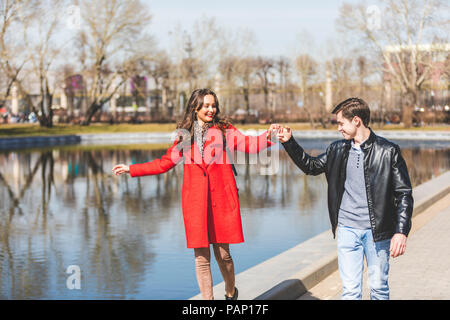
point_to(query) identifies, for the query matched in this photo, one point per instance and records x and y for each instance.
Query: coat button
(212, 188)
(214, 204)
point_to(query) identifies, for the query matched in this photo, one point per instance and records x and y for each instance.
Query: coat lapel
(195, 155)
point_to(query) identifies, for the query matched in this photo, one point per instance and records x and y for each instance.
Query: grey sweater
(354, 211)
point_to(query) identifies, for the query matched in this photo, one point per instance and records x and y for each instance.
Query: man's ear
(357, 121)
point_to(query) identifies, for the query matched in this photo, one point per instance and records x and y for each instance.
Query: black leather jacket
(389, 191)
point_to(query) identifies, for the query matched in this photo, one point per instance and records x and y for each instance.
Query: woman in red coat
(210, 199)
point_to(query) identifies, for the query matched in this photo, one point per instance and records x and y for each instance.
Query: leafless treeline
(382, 59)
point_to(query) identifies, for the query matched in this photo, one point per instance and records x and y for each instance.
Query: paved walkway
(422, 273)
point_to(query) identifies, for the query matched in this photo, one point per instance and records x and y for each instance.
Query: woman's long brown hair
(194, 104)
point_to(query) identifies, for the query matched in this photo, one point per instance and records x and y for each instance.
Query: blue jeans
(353, 244)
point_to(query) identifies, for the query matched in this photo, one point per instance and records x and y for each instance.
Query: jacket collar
(368, 143)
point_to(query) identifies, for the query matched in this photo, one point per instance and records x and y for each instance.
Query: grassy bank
(22, 130)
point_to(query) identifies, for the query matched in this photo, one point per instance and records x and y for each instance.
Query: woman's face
(208, 110)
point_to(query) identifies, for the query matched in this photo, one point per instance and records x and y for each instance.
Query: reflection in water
(63, 207)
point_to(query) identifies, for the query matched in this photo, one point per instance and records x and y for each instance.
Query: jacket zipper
(369, 198)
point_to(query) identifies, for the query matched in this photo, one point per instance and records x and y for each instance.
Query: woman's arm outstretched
(172, 157)
(236, 140)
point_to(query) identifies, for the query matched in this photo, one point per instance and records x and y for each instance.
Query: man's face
(346, 127)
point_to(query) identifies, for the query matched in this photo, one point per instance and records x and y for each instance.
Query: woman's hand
(121, 168)
(273, 131)
(284, 134)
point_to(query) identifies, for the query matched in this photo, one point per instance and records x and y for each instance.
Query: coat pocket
(231, 197)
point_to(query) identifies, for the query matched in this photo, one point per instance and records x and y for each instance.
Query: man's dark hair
(354, 107)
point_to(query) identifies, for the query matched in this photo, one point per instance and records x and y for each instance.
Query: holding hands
(283, 133)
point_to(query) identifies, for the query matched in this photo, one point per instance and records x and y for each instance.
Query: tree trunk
(310, 117)
(323, 116)
(409, 102)
(45, 119)
(306, 105)
(266, 98)
(247, 100)
(155, 110)
(92, 110)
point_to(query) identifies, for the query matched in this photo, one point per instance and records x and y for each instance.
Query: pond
(61, 206)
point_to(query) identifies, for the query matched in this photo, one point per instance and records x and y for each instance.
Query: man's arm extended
(308, 164)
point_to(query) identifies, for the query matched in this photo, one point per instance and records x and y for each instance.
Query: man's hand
(284, 134)
(398, 245)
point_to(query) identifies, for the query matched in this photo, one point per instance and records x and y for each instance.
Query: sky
(275, 23)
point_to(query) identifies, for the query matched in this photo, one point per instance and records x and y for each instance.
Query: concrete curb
(323, 263)
(431, 191)
(303, 280)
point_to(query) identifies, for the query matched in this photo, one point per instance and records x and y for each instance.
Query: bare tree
(283, 66)
(228, 70)
(306, 68)
(362, 73)
(12, 47)
(42, 51)
(245, 71)
(160, 69)
(191, 67)
(106, 41)
(196, 53)
(263, 68)
(234, 68)
(340, 70)
(208, 54)
(398, 30)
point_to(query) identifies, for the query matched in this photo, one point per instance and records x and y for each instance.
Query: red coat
(210, 200)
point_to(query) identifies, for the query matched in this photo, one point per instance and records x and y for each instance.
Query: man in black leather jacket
(369, 197)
